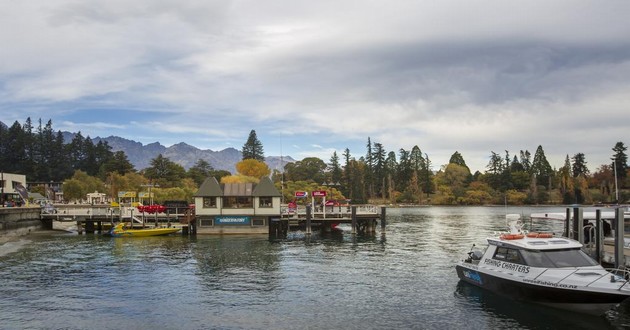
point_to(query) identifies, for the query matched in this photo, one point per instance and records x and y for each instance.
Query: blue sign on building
(232, 220)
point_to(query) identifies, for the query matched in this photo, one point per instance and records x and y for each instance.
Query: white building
(12, 188)
(236, 208)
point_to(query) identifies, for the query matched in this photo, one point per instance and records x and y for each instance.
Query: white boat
(545, 269)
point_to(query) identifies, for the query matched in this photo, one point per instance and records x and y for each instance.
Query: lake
(401, 279)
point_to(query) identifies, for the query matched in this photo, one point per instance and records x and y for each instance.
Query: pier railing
(339, 211)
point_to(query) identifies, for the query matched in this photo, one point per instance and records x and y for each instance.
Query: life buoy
(539, 235)
(512, 236)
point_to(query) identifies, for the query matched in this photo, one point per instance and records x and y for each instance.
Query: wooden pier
(98, 218)
(363, 219)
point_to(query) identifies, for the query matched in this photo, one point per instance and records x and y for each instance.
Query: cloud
(472, 77)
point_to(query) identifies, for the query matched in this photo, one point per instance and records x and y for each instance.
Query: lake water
(402, 279)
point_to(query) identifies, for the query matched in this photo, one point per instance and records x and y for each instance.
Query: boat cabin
(236, 208)
(557, 252)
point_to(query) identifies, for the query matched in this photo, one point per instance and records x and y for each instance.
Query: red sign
(301, 194)
(319, 193)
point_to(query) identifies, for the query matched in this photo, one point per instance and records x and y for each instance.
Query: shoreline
(15, 235)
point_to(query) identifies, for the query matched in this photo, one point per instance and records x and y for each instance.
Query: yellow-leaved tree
(249, 170)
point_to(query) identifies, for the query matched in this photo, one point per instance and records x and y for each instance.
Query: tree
(567, 190)
(541, 168)
(253, 168)
(457, 158)
(310, 168)
(336, 174)
(579, 165)
(253, 149)
(379, 168)
(164, 172)
(620, 161)
(118, 163)
(200, 171)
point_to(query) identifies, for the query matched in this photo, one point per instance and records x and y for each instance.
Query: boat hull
(573, 299)
(143, 232)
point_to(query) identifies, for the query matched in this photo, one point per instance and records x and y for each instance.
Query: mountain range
(181, 153)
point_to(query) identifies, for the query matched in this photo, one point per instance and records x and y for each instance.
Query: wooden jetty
(362, 218)
(97, 218)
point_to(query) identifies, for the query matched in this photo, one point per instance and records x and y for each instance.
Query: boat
(545, 269)
(121, 231)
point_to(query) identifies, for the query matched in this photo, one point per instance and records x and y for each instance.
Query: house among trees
(12, 189)
(236, 208)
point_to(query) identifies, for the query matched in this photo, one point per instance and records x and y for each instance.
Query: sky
(315, 77)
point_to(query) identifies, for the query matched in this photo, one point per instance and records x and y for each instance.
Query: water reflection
(508, 313)
(403, 278)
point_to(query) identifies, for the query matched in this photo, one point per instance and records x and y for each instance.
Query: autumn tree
(253, 168)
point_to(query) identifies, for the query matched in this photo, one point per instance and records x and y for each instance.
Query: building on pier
(236, 208)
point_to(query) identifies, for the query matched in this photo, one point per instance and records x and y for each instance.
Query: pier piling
(308, 219)
(354, 219)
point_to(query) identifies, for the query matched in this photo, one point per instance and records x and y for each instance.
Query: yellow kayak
(120, 231)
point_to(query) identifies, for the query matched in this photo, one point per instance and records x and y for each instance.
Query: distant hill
(183, 154)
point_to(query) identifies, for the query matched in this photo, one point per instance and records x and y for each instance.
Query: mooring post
(619, 238)
(308, 219)
(567, 223)
(354, 219)
(383, 221)
(598, 235)
(79, 227)
(578, 232)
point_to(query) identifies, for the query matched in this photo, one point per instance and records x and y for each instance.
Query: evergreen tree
(579, 165)
(347, 174)
(620, 161)
(118, 163)
(16, 157)
(457, 158)
(541, 168)
(566, 183)
(369, 171)
(391, 166)
(526, 160)
(378, 158)
(336, 173)
(405, 170)
(428, 187)
(253, 149)
(200, 171)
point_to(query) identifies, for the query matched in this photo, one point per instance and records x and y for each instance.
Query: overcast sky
(314, 77)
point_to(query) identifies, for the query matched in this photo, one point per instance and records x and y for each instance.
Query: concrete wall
(19, 218)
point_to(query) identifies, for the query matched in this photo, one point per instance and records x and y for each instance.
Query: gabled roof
(266, 188)
(210, 187)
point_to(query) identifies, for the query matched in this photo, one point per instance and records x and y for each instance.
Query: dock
(363, 219)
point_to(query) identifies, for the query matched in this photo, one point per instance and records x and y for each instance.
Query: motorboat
(120, 230)
(543, 268)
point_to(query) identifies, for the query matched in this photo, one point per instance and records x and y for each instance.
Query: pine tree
(620, 161)
(253, 148)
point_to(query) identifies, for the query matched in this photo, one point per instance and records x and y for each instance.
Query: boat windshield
(557, 258)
